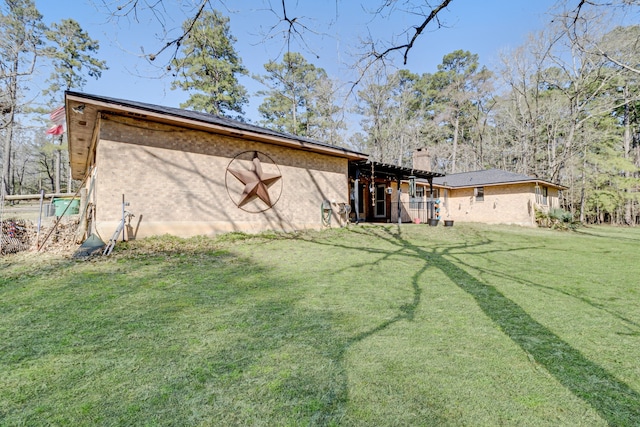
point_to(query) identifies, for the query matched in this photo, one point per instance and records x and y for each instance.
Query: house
(494, 196)
(381, 191)
(188, 173)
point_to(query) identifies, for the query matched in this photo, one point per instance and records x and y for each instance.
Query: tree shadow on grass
(615, 402)
(261, 329)
(633, 325)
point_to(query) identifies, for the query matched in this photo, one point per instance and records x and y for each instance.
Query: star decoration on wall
(256, 182)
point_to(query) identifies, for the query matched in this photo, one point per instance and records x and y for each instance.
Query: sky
(333, 31)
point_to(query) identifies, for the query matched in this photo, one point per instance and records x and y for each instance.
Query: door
(380, 209)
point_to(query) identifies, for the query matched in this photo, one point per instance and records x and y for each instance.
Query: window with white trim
(542, 195)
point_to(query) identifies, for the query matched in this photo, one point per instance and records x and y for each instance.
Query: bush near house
(556, 218)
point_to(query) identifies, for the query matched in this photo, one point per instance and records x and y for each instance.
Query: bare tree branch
(294, 30)
(177, 41)
(584, 13)
(618, 63)
(418, 31)
(373, 56)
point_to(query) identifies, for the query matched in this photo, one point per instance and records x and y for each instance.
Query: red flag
(57, 116)
(55, 130)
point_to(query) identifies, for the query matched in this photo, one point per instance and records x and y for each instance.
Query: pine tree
(72, 54)
(208, 68)
(293, 103)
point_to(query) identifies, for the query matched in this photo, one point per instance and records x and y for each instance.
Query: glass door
(380, 210)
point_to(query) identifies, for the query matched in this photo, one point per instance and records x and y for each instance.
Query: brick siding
(174, 179)
(503, 204)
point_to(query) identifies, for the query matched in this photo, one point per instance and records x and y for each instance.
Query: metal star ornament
(256, 182)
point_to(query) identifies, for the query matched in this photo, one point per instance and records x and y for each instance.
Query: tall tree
(531, 117)
(72, 54)
(462, 86)
(584, 82)
(207, 66)
(376, 108)
(326, 122)
(553, 115)
(622, 43)
(21, 31)
(393, 116)
(289, 104)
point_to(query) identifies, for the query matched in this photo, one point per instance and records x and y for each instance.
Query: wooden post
(399, 204)
(430, 213)
(83, 224)
(40, 216)
(356, 195)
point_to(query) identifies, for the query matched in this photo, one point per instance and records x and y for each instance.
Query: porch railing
(421, 210)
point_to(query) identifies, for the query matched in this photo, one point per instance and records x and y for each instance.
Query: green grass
(470, 325)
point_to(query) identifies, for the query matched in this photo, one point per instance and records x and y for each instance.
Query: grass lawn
(371, 326)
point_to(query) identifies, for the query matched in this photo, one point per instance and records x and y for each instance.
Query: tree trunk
(456, 126)
(294, 115)
(12, 93)
(6, 164)
(584, 185)
(57, 172)
(628, 209)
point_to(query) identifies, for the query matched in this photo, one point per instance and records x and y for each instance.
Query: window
(479, 193)
(542, 195)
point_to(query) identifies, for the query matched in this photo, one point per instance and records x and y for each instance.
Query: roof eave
(494, 184)
(81, 120)
(394, 171)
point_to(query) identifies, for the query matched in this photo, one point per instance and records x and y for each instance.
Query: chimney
(421, 159)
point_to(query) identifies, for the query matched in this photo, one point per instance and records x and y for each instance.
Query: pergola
(369, 170)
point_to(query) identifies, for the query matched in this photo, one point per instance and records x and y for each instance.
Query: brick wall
(176, 181)
(502, 204)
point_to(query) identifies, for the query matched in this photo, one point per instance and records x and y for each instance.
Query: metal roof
(83, 111)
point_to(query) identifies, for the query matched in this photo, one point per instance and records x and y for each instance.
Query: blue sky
(483, 27)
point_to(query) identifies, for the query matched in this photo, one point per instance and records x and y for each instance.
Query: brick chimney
(421, 159)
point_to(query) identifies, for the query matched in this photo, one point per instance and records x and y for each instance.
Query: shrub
(556, 218)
